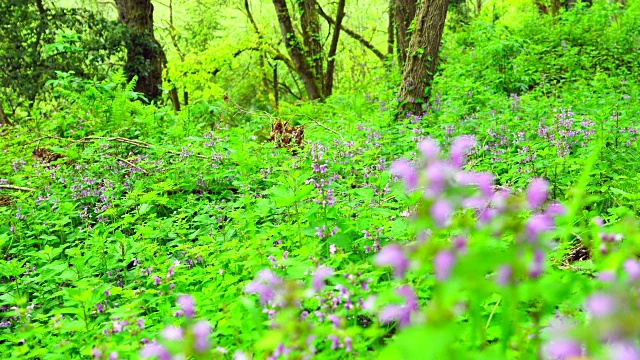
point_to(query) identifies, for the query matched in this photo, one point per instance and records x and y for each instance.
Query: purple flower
(141, 323)
(201, 331)
(319, 275)
(429, 149)
(348, 346)
(601, 305)
(156, 280)
(441, 211)
(504, 274)
(334, 319)
(154, 349)
(113, 356)
(400, 313)
(335, 342)
(563, 349)
(624, 350)
(484, 181)
(436, 174)
(96, 353)
(393, 256)
(537, 265)
(459, 148)
(332, 249)
(172, 333)
(186, 304)
(536, 225)
(632, 268)
(537, 193)
(406, 172)
(442, 264)
(263, 285)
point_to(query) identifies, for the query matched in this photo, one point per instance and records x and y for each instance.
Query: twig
(90, 139)
(133, 165)
(13, 187)
(322, 125)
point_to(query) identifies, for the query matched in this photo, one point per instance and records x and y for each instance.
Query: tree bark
(311, 38)
(420, 65)
(405, 12)
(391, 25)
(296, 51)
(333, 49)
(145, 57)
(3, 117)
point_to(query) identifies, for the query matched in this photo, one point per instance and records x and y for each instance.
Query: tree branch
(18, 188)
(354, 35)
(331, 65)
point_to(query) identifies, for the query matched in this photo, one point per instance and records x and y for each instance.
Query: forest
(320, 179)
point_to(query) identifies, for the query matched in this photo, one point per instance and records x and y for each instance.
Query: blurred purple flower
(459, 148)
(429, 149)
(442, 264)
(537, 193)
(624, 350)
(600, 305)
(201, 331)
(186, 304)
(504, 274)
(536, 225)
(441, 211)
(563, 349)
(400, 313)
(393, 256)
(536, 267)
(319, 275)
(263, 285)
(172, 333)
(406, 172)
(154, 349)
(632, 268)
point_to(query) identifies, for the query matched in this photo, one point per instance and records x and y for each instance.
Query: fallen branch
(90, 139)
(322, 126)
(13, 187)
(134, 166)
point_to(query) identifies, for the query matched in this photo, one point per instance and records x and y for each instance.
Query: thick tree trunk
(333, 49)
(311, 38)
(145, 57)
(3, 117)
(405, 12)
(296, 51)
(420, 65)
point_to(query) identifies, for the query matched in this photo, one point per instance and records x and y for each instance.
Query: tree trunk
(296, 51)
(391, 32)
(3, 117)
(420, 65)
(311, 38)
(405, 12)
(145, 57)
(333, 49)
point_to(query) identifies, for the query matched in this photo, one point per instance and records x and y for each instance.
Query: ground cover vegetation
(302, 179)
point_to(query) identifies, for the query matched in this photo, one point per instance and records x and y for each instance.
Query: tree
(308, 55)
(405, 12)
(3, 118)
(38, 40)
(145, 57)
(420, 65)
